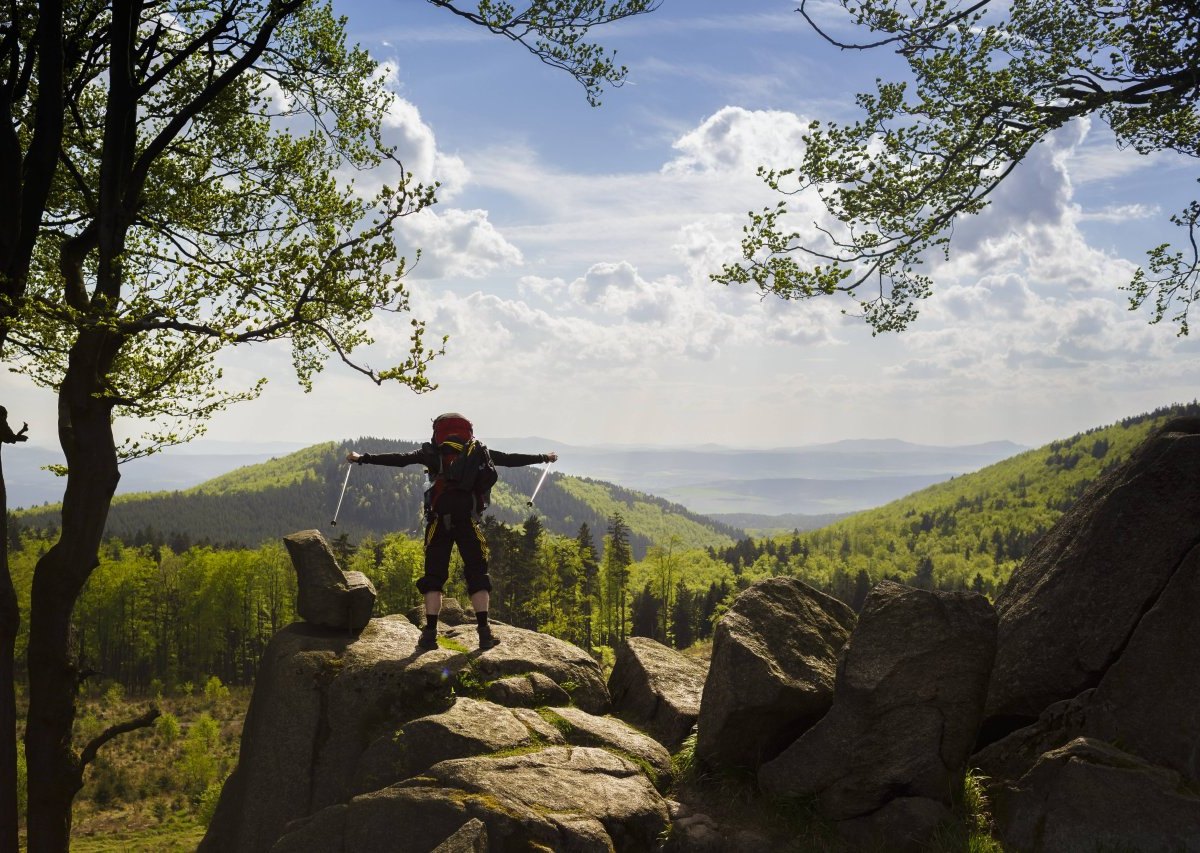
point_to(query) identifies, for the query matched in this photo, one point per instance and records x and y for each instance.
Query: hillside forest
(163, 608)
(183, 623)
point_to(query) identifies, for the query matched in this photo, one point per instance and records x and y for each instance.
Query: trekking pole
(345, 483)
(541, 480)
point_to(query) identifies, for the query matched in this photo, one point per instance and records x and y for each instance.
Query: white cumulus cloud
(737, 140)
(457, 243)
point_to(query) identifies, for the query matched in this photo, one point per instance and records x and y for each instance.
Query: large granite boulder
(531, 690)
(907, 703)
(1088, 796)
(571, 799)
(771, 676)
(469, 727)
(521, 652)
(655, 686)
(1149, 699)
(325, 595)
(326, 701)
(1148, 703)
(320, 698)
(1008, 759)
(901, 825)
(584, 729)
(471, 837)
(1072, 607)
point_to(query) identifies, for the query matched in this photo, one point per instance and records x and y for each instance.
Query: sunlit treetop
(555, 31)
(988, 82)
(208, 191)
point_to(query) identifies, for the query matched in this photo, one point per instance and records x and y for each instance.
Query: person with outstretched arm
(461, 473)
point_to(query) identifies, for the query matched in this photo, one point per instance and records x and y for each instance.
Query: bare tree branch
(89, 752)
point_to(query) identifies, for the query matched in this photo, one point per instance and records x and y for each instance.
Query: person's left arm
(516, 460)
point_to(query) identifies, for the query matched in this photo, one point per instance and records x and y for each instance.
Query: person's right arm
(393, 460)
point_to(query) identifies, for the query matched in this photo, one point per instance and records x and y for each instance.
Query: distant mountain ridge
(816, 497)
(836, 477)
(707, 479)
(28, 483)
(975, 528)
(268, 500)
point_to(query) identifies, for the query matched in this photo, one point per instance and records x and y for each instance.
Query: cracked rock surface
(1072, 607)
(771, 676)
(569, 799)
(907, 702)
(656, 686)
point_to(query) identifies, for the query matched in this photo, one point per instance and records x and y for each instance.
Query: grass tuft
(970, 831)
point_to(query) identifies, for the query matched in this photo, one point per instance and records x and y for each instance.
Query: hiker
(461, 473)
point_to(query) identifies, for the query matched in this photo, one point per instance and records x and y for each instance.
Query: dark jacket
(429, 457)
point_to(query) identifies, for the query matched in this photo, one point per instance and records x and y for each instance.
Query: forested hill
(969, 531)
(261, 502)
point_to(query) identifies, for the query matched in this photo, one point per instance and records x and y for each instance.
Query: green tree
(989, 82)
(171, 176)
(343, 549)
(557, 588)
(862, 587)
(198, 764)
(402, 563)
(644, 614)
(590, 576)
(666, 567)
(617, 559)
(683, 616)
(522, 577)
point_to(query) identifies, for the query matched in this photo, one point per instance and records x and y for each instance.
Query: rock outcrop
(1149, 699)
(771, 676)
(321, 697)
(654, 686)
(467, 728)
(1089, 795)
(471, 837)
(1072, 607)
(531, 690)
(522, 652)
(907, 703)
(1098, 653)
(346, 735)
(357, 741)
(326, 595)
(587, 729)
(576, 800)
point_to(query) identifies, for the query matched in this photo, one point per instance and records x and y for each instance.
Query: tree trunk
(10, 624)
(55, 772)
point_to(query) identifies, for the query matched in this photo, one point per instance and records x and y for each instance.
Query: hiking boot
(487, 640)
(428, 640)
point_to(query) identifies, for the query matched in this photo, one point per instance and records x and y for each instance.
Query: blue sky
(569, 258)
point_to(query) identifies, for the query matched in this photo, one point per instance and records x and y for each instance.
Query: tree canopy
(204, 196)
(989, 81)
(178, 178)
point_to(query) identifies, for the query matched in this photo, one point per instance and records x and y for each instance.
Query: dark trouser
(441, 534)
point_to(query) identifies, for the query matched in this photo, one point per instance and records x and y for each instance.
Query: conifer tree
(590, 576)
(617, 560)
(644, 613)
(683, 617)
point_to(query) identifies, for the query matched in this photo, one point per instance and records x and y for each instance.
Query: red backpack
(452, 427)
(463, 463)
